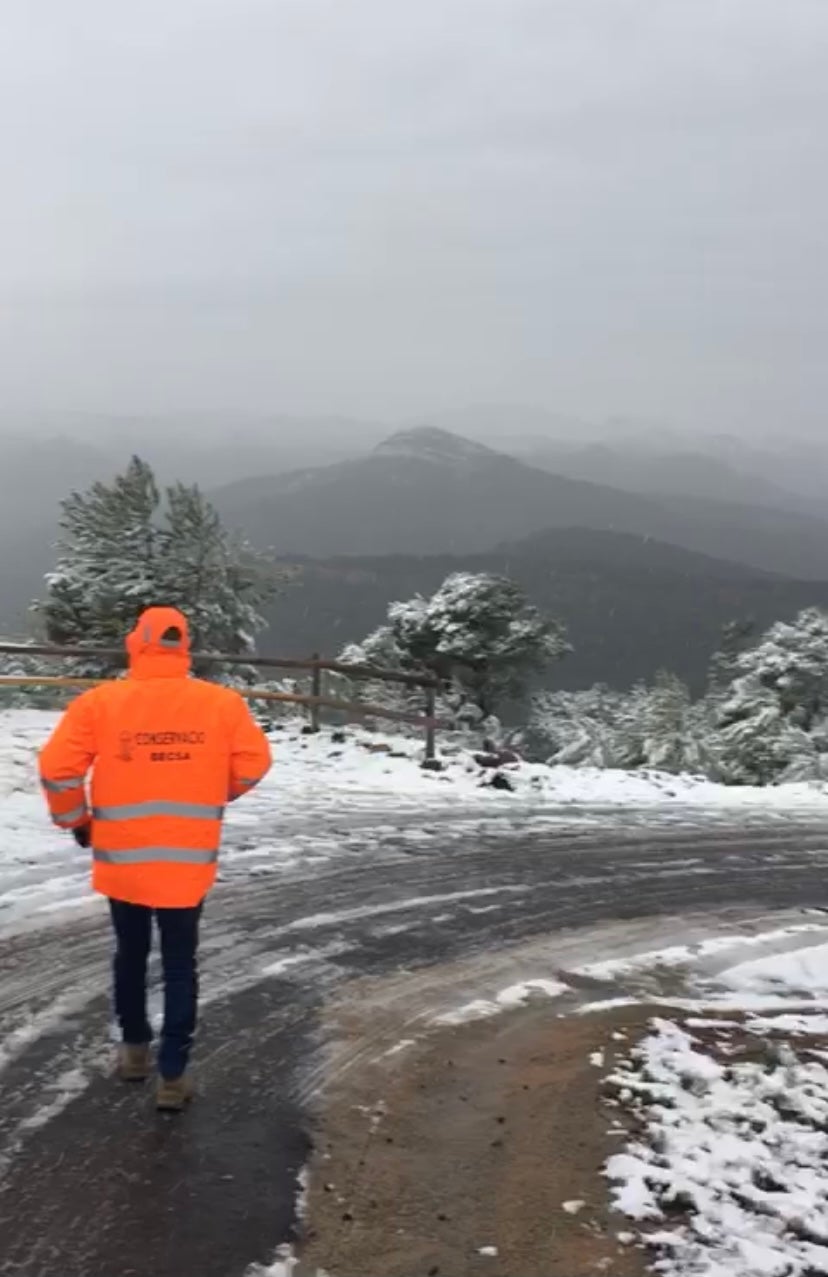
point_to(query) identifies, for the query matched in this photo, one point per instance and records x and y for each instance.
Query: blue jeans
(179, 945)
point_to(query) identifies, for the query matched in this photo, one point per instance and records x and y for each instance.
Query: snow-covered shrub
(583, 729)
(21, 665)
(656, 727)
(381, 650)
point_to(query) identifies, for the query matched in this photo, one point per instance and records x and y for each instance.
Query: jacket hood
(159, 646)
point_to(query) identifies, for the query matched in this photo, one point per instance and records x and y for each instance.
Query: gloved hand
(82, 835)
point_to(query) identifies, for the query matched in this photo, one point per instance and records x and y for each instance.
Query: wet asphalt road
(94, 1184)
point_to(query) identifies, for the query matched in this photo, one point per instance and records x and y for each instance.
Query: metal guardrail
(315, 701)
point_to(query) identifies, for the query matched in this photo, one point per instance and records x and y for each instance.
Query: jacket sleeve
(250, 757)
(65, 761)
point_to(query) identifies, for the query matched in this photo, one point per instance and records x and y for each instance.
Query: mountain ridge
(425, 491)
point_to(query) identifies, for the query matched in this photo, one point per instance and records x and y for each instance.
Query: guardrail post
(316, 692)
(431, 731)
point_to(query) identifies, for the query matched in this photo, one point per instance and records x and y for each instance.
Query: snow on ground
(694, 956)
(369, 766)
(732, 1165)
(729, 1174)
(508, 999)
(743, 1144)
(284, 1265)
(327, 797)
(802, 973)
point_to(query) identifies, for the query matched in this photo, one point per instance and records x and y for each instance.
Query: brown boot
(174, 1094)
(134, 1062)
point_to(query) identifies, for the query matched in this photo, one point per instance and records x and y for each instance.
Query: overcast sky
(382, 207)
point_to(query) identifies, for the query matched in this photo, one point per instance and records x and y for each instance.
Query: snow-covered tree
(771, 725)
(764, 748)
(479, 633)
(380, 649)
(219, 583)
(668, 739)
(105, 573)
(124, 547)
(791, 661)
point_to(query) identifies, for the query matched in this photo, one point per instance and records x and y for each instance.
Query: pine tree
(668, 742)
(771, 724)
(479, 633)
(724, 664)
(106, 573)
(790, 662)
(124, 548)
(627, 731)
(218, 583)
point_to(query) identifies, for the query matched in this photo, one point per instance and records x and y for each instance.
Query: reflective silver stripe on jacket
(63, 786)
(144, 855)
(159, 807)
(70, 817)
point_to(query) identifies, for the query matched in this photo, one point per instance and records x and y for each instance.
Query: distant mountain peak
(430, 443)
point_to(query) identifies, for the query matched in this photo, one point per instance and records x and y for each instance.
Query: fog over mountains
(584, 242)
(643, 541)
(426, 491)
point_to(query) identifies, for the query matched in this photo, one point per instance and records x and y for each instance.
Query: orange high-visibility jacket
(167, 752)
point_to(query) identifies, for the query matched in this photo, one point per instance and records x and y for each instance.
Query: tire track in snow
(274, 949)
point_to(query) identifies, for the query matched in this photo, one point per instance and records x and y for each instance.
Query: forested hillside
(631, 605)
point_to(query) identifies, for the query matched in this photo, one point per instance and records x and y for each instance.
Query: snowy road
(93, 1185)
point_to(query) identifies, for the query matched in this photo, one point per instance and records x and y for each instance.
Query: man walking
(166, 752)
